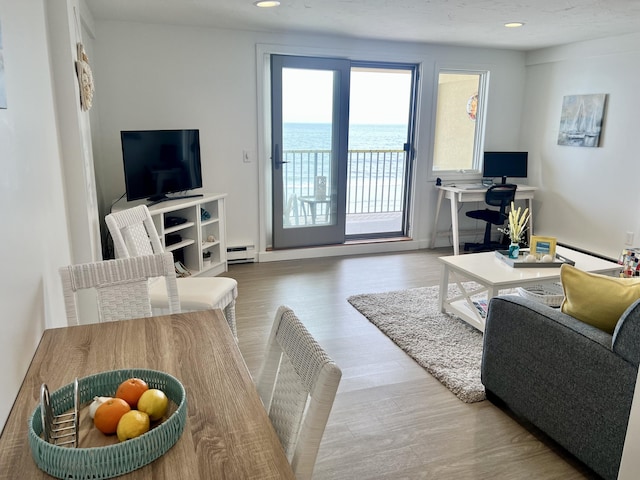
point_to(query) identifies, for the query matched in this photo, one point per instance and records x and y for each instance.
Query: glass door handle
(276, 157)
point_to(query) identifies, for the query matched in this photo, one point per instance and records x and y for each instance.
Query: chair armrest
(626, 337)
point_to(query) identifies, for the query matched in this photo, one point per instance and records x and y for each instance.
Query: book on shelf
(482, 306)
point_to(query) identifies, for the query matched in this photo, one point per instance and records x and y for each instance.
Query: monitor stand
(504, 180)
(163, 198)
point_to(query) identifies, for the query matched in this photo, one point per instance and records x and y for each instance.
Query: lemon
(132, 424)
(154, 403)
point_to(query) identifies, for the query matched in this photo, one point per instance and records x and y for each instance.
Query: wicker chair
(134, 234)
(122, 286)
(297, 384)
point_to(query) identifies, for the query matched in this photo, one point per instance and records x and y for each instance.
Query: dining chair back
(121, 286)
(297, 383)
(134, 233)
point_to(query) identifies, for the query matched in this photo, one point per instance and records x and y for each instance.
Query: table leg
(444, 288)
(492, 292)
(312, 207)
(454, 224)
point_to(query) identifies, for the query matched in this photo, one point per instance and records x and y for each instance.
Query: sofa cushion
(598, 300)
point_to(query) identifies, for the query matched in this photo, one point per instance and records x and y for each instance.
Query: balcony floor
(370, 223)
(359, 223)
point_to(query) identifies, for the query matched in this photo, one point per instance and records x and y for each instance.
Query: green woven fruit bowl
(97, 462)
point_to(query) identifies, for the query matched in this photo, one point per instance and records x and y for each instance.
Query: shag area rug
(447, 347)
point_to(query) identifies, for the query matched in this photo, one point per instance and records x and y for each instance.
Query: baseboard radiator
(241, 254)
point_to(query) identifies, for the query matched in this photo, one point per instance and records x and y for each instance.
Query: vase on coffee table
(514, 250)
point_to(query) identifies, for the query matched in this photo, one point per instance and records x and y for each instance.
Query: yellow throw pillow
(598, 300)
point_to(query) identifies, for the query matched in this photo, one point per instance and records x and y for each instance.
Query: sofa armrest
(626, 337)
(554, 315)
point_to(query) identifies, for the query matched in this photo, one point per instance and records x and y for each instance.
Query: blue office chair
(497, 196)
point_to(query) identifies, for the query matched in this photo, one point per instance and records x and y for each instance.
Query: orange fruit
(108, 415)
(133, 424)
(130, 390)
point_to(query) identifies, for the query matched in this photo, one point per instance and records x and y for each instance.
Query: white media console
(196, 235)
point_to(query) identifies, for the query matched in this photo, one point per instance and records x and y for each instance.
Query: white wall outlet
(245, 156)
(629, 240)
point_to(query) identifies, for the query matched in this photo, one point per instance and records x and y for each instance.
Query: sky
(380, 97)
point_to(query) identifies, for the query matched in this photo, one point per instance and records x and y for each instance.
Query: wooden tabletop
(227, 434)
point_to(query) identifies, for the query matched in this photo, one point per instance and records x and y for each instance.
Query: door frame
(409, 145)
(264, 193)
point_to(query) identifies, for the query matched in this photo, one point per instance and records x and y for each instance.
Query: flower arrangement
(517, 224)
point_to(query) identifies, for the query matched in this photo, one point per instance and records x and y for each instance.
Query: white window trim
(475, 173)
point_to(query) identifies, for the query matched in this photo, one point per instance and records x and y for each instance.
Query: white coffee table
(492, 275)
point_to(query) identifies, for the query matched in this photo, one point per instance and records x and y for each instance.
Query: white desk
(456, 196)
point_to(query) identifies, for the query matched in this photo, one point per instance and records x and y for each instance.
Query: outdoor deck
(375, 189)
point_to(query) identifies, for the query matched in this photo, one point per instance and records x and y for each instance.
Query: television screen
(158, 162)
(505, 164)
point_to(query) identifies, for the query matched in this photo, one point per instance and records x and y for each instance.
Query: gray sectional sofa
(571, 380)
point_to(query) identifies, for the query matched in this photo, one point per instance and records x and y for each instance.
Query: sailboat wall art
(581, 120)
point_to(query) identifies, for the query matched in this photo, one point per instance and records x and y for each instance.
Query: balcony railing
(375, 178)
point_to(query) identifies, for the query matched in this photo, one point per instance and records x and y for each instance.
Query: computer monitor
(505, 164)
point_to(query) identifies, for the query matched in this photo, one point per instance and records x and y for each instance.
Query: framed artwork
(541, 246)
(581, 120)
(3, 92)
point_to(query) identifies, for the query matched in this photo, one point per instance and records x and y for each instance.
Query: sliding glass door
(310, 115)
(342, 145)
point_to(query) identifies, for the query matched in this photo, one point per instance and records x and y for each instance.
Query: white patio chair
(121, 286)
(134, 234)
(297, 384)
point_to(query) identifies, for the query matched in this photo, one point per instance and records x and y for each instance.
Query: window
(459, 125)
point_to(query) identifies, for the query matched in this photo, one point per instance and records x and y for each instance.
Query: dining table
(227, 433)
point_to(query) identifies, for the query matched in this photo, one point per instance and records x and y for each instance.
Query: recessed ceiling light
(513, 24)
(266, 3)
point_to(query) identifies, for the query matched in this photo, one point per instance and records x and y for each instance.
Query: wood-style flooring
(391, 419)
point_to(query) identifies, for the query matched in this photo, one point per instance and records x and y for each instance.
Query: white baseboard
(340, 250)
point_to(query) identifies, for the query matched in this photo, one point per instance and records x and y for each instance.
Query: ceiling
(454, 22)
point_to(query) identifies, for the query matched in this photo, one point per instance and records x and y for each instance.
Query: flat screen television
(159, 162)
(505, 164)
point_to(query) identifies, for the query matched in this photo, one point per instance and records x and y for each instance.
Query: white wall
(32, 212)
(588, 197)
(74, 129)
(163, 76)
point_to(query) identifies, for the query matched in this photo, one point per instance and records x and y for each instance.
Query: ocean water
(317, 136)
(375, 180)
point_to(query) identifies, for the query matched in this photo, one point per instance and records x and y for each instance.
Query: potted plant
(515, 229)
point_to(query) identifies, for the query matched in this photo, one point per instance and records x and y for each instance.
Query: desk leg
(454, 224)
(435, 224)
(530, 229)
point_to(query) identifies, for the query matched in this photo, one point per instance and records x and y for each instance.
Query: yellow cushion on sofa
(598, 300)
